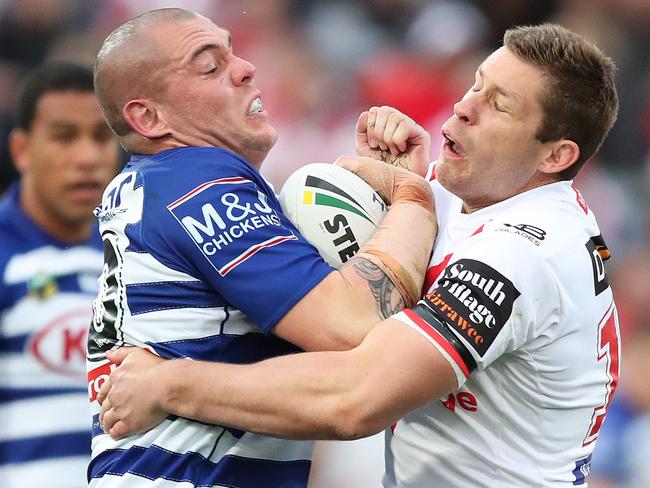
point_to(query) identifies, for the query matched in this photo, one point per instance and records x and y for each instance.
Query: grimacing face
(68, 157)
(489, 152)
(210, 98)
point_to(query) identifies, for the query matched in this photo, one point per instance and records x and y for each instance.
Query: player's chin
(266, 135)
(79, 214)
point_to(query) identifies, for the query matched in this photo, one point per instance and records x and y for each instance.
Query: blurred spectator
(50, 258)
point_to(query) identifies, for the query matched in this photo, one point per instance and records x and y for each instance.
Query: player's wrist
(405, 265)
(414, 190)
(170, 384)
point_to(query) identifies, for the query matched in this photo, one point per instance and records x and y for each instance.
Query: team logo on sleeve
(599, 253)
(228, 222)
(475, 300)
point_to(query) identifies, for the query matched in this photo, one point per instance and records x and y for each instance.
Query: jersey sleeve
(231, 230)
(491, 299)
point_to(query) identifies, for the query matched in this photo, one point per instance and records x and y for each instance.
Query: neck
(148, 146)
(478, 204)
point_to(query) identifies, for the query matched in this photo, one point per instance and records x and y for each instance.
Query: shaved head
(129, 64)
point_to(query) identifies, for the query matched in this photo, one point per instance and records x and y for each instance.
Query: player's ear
(144, 118)
(559, 155)
(19, 149)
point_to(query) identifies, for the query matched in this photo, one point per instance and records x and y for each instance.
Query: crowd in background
(321, 62)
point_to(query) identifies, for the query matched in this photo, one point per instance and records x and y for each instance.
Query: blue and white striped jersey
(199, 263)
(46, 291)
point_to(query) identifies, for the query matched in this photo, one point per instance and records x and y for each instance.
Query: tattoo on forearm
(389, 299)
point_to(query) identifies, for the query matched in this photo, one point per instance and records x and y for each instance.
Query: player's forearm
(392, 266)
(401, 248)
(384, 277)
(295, 401)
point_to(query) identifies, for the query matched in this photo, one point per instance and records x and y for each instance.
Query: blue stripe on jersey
(45, 447)
(13, 344)
(16, 394)
(168, 295)
(233, 471)
(70, 283)
(12, 294)
(225, 348)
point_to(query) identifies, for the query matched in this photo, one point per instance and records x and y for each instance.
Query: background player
(50, 258)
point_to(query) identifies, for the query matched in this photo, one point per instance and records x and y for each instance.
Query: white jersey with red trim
(517, 300)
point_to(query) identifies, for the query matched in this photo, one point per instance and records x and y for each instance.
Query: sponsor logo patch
(529, 232)
(475, 300)
(97, 377)
(337, 198)
(343, 238)
(60, 345)
(227, 221)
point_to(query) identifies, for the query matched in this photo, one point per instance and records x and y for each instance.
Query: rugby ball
(333, 208)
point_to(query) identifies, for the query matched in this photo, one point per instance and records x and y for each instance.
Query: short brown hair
(580, 101)
(126, 67)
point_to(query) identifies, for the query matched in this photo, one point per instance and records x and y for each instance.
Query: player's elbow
(355, 424)
(346, 339)
(357, 415)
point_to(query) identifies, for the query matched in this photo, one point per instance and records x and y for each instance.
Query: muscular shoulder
(544, 226)
(181, 167)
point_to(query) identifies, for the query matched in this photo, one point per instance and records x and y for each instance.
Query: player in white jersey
(50, 259)
(533, 389)
(200, 262)
(502, 374)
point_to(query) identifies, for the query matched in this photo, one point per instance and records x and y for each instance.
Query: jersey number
(105, 329)
(608, 351)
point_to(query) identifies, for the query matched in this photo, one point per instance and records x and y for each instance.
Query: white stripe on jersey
(142, 267)
(132, 481)
(460, 376)
(176, 435)
(50, 260)
(65, 413)
(167, 325)
(42, 312)
(32, 474)
(21, 371)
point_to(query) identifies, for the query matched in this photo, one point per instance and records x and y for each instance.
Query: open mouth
(86, 190)
(256, 107)
(452, 146)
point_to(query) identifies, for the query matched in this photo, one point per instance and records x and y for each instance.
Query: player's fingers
(118, 430)
(383, 113)
(103, 391)
(346, 161)
(361, 134)
(356, 164)
(403, 134)
(118, 355)
(108, 419)
(106, 406)
(373, 141)
(362, 123)
(392, 123)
